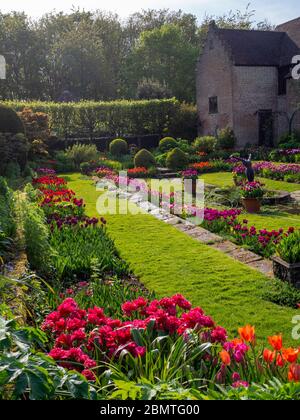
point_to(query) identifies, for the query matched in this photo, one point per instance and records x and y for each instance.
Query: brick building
(244, 82)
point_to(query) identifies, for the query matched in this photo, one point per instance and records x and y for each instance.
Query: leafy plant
(206, 144)
(80, 153)
(27, 374)
(289, 248)
(226, 139)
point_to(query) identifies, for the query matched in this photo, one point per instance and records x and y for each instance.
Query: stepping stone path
(296, 196)
(202, 235)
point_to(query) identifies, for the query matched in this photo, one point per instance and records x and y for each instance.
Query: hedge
(117, 118)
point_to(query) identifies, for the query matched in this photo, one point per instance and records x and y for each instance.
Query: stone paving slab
(245, 256)
(264, 266)
(296, 196)
(226, 246)
(204, 235)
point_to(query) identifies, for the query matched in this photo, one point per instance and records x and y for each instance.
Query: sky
(275, 11)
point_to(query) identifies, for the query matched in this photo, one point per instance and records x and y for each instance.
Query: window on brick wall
(213, 105)
(282, 80)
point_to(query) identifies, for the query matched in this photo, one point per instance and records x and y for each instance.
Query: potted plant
(286, 264)
(252, 193)
(193, 175)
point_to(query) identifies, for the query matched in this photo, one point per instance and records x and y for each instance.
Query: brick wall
(292, 28)
(255, 88)
(214, 78)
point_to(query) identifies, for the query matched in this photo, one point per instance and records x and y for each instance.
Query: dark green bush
(176, 159)
(167, 143)
(282, 293)
(10, 121)
(145, 159)
(13, 148)
(118, 147)
(226, 139)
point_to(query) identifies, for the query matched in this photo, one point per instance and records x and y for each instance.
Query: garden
(129, 306)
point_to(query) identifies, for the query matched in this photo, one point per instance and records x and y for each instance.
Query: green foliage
(64, 162)
(74, 249)
(116, 118)
(152, 89)
(282, 293)
(7, 210)
(118, 147)
(166, 144)
(28, 374)
(36, 235)
(289, 249)
(9, 121)
(226, 139)
(13, 149)
(145, 159)
(205, 144)
(164, 54)
(176, 159)
(80, 153)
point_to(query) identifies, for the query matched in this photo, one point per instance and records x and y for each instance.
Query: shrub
(176, 159)
(10, 121)
(145, 159)
(63, 162)
(36, 236)
(226, 139)
(80, 153)
(118, 147)
(166, 144)
(206, 144)
(288, 248)
(13, 148)
(282, 293)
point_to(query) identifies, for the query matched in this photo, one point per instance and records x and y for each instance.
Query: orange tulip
(269, 356)
(236, 342)
(276, 342)
(247, 333)
(290, 355)
(225, 357)
(294, 373)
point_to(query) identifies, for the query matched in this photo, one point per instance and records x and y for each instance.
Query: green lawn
(168, 261)
(224, 179)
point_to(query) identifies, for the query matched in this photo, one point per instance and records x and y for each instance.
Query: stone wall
(292, 28)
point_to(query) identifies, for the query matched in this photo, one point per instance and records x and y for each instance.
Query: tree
(164, 55)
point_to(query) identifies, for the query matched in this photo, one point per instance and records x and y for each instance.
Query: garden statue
(248, 165)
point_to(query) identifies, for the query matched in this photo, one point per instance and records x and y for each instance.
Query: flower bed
(87, 340)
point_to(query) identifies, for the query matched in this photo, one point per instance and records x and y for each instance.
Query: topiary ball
(166, 144)
(118, 147)
(10, 122)
(176, 159)
(145, 159)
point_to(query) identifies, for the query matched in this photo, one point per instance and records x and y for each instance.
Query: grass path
(224, 179)
(167, 261)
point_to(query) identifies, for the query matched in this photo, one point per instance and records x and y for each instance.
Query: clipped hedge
(117, 118)
(118, 147)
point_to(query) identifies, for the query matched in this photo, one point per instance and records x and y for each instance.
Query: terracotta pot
(252, 205)
(286, 271)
